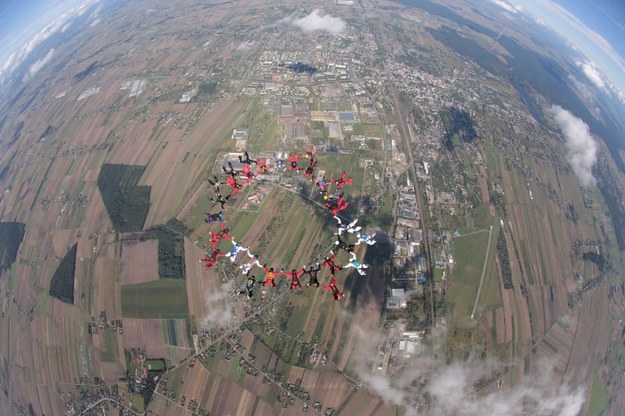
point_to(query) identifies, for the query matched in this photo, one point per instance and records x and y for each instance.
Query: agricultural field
(164, 298)
(104, 238)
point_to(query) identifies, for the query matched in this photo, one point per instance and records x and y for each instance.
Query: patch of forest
(170, 248)
(11, 235)
(126, 203)
(504, 261)
(62, 283)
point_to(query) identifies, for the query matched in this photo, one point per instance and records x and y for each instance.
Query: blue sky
(18, 19)
(25, 24)
(595, 27)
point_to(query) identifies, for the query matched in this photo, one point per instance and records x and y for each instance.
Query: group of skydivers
(334, 202)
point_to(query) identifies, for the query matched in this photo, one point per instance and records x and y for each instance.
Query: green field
(469, 255)
(164, 299)
(599, 398)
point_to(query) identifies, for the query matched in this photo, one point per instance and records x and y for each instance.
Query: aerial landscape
(367, 207)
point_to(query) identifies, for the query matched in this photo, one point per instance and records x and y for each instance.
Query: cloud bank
(581, 146)
(316, 21)
(452, 387)
(34, 68)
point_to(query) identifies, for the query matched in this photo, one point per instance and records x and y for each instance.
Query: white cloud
(508, 7)
(34, 68)
(581, 146)
(452, 387)
(94, 23)
(59, 25)
(593, 73)
(316, 21)
(219, 307)
(582, 88)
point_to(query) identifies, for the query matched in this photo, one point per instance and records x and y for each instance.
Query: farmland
(156, 299)
(494, 252)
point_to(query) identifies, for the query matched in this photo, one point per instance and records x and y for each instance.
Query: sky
(595, 27)
(25, 24)
(20, 20)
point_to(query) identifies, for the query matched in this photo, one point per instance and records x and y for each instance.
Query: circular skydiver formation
(334, 202)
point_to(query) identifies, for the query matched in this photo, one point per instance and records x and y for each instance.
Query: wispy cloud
(581, 146)
(452, 387)
(318, 21)
(582, 88)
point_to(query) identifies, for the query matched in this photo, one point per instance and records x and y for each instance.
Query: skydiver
(246, 267)
(236, 248)
(280, 164)
(341, 181)
(312, 272)
(232, 182)
(220, 199)
(210, 261)
(337, 206)
(310, 151)
(329, 263)
(353, 262)
(216, 183)
(247, 160)
(248, 173)
(211, 218)
(217, 237)
(342, 245)
(271, 275)
(231, 170)
(347, 227)
(365, 238)
(262, 167)
(336, 293)
(323, 184)
(294, 162)
(249, 285)
(294, 275)
(310, 170)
